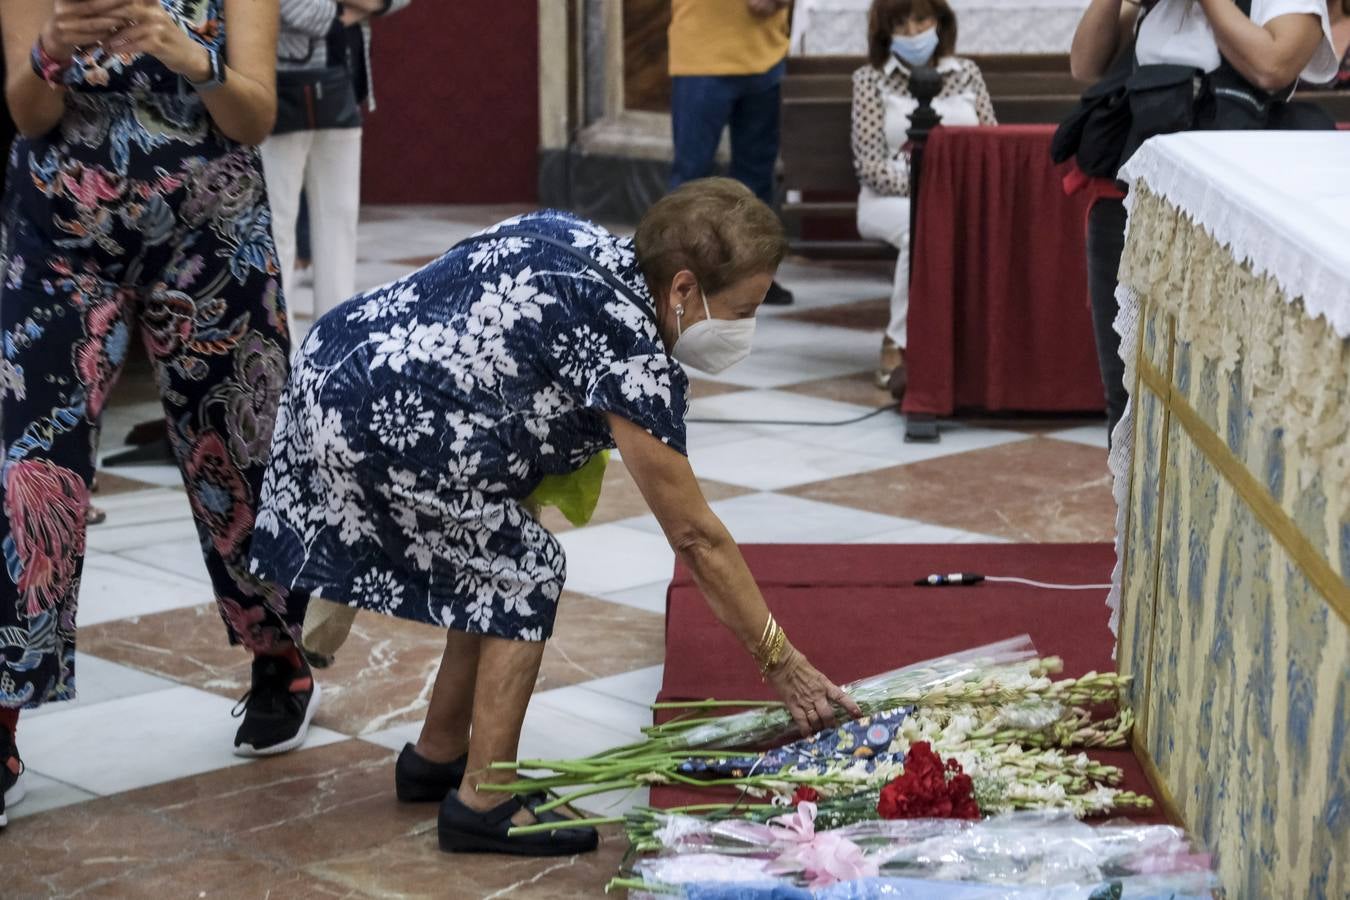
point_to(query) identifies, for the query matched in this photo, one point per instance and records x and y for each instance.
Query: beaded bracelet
(49, 69)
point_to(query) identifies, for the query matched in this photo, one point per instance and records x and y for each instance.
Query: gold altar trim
(1155, 779)
(1252, 492)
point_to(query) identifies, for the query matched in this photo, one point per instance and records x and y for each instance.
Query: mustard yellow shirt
(722, 37)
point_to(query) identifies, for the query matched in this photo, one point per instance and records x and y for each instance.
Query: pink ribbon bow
(823, 858)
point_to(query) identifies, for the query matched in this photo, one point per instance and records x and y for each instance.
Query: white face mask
(712, 345)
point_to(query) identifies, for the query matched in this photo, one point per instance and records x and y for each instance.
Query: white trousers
(327, 164)
(886, 219)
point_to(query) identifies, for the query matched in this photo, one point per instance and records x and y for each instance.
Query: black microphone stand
(924, 84)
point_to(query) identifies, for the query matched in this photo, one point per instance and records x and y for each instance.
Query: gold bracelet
(769, 652)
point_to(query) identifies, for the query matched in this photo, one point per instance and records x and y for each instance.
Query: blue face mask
(916, 50)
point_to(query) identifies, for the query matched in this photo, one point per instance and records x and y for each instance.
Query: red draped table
(999, 318)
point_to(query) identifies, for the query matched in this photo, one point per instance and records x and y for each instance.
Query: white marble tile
(394, 738)
(144, 507)
(606, 558)
(651, 597)
(138, 741)
(182, 557)
(1091, 435)
(44, 794)
(771, 405)
(99, 681)
(781, 366)
(113, 538)
(115, 588)
(584, 705)
(769, 518)
(556, 729)
(165, 475)
(771, 463)
(639, 686)
(884, 436)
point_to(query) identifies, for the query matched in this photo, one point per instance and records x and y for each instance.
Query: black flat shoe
(464, 830)
(419, 780)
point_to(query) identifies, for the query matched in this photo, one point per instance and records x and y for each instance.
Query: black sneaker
(11, 775)
(778, 296)
(464, 830)
(419, 780)
(278, 707)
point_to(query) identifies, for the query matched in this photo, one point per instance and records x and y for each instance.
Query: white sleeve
(1324, 63)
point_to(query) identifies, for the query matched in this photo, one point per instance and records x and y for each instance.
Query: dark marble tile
(859, 388)
(414, 867)
(702, 387)
(863, 315)
(93, 848)
(110, 485)
(415, 262)
(1038, 490)
(621, 499)
(384, 673)
(595, 639)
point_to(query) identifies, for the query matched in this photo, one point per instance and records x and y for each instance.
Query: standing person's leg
(285, 157)
(1105, 244)
(700, 108)
(756, 120)
(220, 400)
(66, 341)
(755, 132)
(304, 249)
(887, 219)
(472, 820)
(435, 765)
(333, 187)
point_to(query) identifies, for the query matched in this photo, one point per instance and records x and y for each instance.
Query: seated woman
(421, 415)
(903, 34)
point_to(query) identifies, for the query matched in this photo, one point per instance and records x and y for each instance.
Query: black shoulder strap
(620, 288)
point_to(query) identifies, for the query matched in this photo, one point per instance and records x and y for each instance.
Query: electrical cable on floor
(791, 422)
(971, 578)
(1048, 586)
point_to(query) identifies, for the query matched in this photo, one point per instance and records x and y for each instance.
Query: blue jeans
(701, 106)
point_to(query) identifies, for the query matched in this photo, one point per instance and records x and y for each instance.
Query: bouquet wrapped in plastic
(1019, 855)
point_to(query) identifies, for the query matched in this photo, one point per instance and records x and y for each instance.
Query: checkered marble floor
(133, 790)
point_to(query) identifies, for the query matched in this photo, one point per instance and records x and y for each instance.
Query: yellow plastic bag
(575, 494)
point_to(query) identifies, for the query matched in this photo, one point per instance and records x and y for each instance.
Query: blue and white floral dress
(420, 415)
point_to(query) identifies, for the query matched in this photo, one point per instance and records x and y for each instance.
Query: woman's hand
(80, 23)
(810, 696)
(156, 33)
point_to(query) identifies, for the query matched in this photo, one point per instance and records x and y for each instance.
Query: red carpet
(853, 610)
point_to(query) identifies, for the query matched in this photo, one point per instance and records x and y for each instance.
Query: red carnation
(805, 794)
(929, 788)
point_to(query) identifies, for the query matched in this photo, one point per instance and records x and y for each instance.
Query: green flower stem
(604, 788)
(545, 827)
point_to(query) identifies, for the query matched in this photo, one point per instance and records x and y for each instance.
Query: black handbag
(1134, 103)
(1096, 129)
(314, 99)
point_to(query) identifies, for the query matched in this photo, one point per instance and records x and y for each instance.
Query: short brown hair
(714, 227)
(888, 15)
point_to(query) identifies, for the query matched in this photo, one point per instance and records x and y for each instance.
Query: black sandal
(464, 830)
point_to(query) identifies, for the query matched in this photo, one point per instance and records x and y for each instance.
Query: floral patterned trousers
(102, 239)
